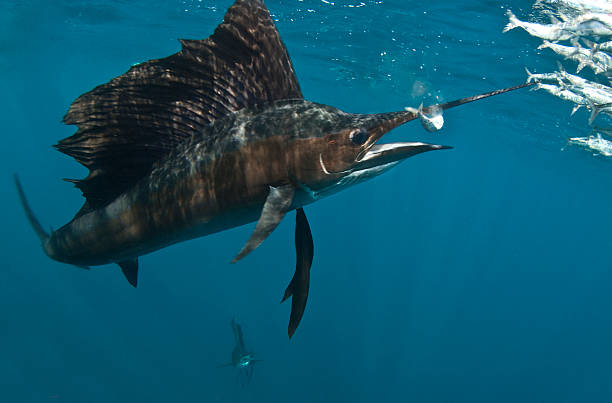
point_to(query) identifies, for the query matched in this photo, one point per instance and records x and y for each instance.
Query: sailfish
(213, 137)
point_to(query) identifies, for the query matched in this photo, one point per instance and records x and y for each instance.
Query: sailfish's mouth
(383, 154)
(375, 154)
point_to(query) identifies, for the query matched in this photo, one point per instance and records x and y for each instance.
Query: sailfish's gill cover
(136, 119)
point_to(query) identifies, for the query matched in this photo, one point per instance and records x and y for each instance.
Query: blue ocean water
(477, 274)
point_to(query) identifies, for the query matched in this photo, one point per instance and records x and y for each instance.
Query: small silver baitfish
(589, 24)
(431, 121)
(594, 143)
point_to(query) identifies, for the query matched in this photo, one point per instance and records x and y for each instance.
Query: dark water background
(479, 274)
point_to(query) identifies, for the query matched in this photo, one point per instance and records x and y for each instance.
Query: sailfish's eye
(359, 136)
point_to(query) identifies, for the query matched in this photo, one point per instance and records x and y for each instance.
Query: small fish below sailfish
(242, 359)
(213, 137)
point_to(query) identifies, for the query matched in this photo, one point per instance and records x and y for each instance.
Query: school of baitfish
(578, 23)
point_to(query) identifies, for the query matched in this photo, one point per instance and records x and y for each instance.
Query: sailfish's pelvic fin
(130, 271)
(300, 283)
(276, 206)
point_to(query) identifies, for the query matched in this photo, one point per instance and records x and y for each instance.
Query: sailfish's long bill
(376, 155)
(213, 137)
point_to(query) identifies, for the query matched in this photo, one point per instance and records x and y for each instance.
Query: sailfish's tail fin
(513, 22)
(42, 234)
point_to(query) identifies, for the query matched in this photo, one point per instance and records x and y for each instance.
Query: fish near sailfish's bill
(210, 138)
(389, 121)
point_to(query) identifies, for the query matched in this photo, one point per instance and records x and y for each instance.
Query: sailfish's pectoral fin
(298, 287)
(130, 271)
(277, 204)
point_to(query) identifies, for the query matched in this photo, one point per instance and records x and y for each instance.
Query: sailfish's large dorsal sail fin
(127, 124)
